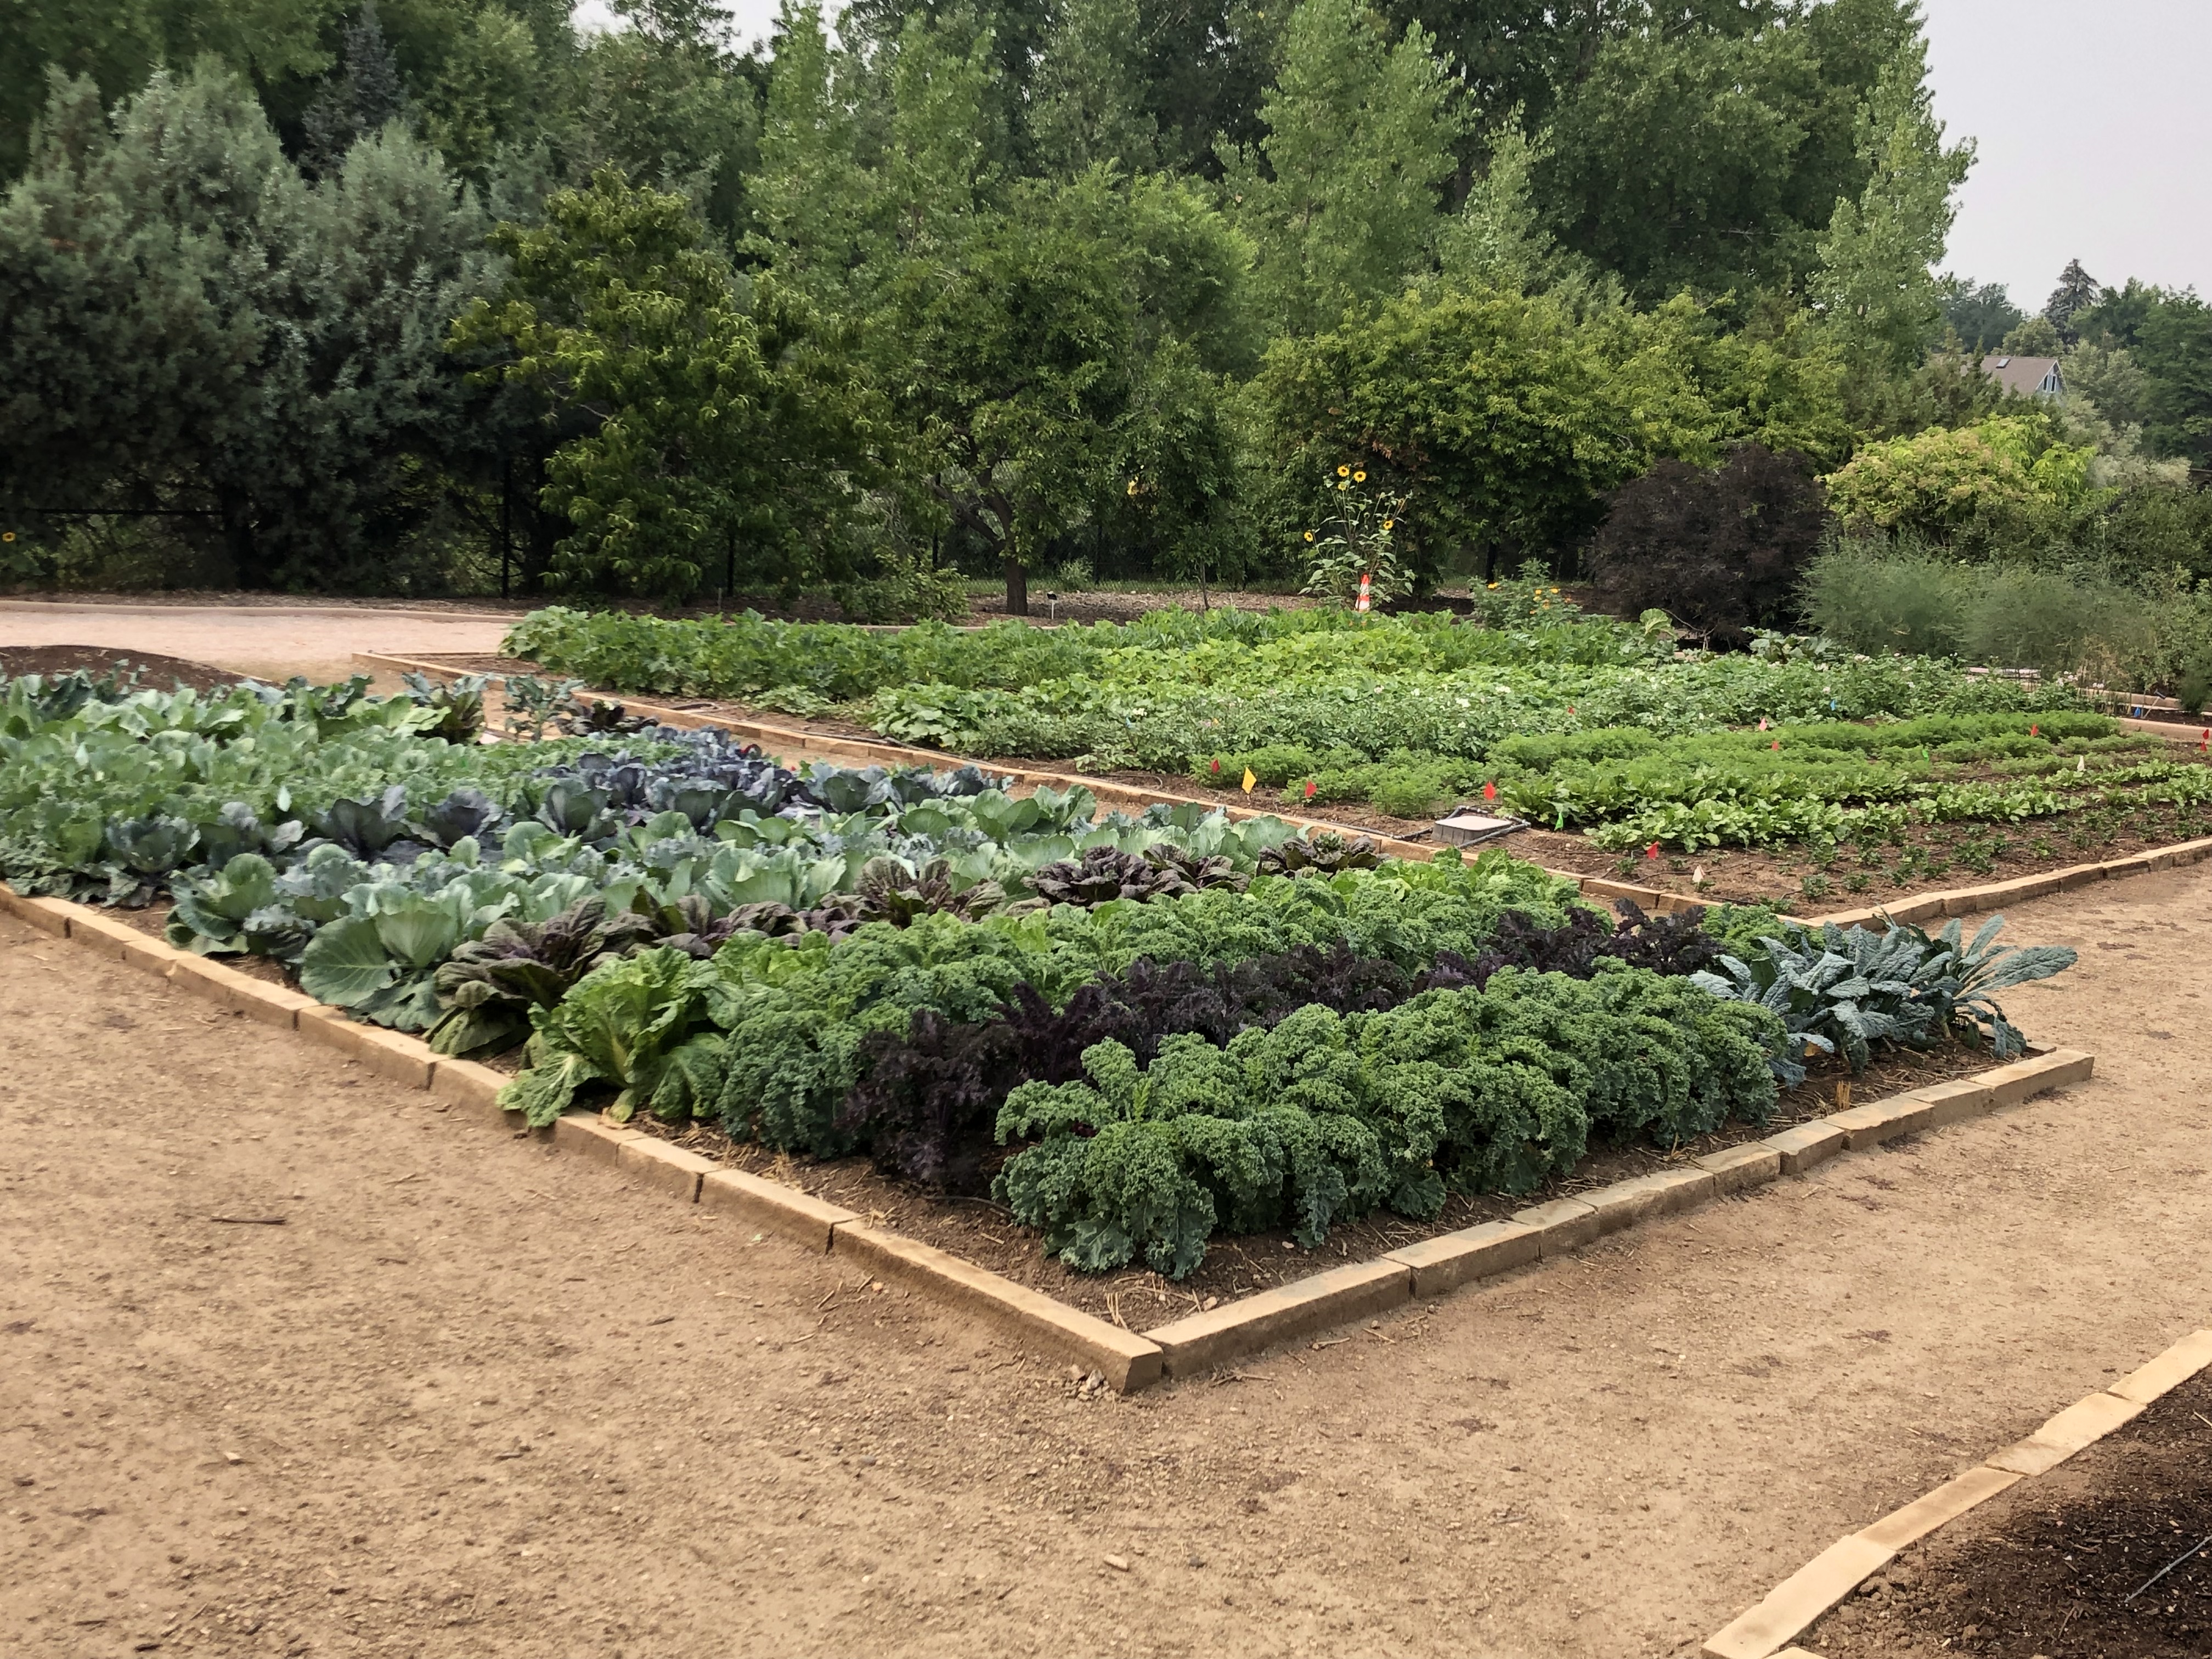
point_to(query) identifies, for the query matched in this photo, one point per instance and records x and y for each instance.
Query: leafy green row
(1464, 715)
(749, 657)
(1325, 1115)
(766, 1038)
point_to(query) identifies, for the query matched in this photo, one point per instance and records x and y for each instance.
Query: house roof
(2028, 376)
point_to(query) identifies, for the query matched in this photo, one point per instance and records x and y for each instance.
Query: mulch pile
(155, 672)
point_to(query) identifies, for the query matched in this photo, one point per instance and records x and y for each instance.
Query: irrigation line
(2163, 1570)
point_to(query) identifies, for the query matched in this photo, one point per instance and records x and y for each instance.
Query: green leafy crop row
(1328, 1115)
(769, 1043)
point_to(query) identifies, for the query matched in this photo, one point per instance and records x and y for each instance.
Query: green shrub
(2193, 690)
(1896, 597)
(1899, 595)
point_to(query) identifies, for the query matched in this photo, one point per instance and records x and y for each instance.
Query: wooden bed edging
(1799, 1601)
(1126, 1360)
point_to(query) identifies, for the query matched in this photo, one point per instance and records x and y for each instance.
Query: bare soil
(980, 1230)
(265, 641)
(2092, 1561)
(154, 671)
(488, 1401)
(1931, 857)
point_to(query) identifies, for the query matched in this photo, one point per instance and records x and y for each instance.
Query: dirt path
(475, 1399)
(270, 642)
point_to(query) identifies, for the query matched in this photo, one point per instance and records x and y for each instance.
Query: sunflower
(1308, 535)
(1359, 477)
(1344, 472)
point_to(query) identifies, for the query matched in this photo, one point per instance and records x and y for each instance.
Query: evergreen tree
(280, 43)
(186, 323)
(2077, 291)
(1875, 285)
(366, 95)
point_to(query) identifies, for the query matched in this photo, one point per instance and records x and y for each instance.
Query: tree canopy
(350, 287)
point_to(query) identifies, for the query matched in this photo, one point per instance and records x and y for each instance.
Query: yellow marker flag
(1248, 779)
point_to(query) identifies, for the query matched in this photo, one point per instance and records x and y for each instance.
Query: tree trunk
(1017, 587)
(237, 510)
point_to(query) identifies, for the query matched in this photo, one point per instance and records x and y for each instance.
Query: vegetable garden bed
(2092, 1559)
(1804, 778)
(978, 1229)
(1137, 1034)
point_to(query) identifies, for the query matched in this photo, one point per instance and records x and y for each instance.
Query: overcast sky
(2093, 124)
(2094, 127)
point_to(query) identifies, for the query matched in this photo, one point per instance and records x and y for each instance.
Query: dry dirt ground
(267, 641)
(473, 1398)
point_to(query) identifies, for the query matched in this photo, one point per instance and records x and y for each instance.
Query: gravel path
(475, 1399)
(270, 642)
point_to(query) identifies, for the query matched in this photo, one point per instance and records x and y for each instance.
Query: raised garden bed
(985, 1233)
(1120, 1358)
(2085, 1562)
(1809, 881)
(1198, 1032)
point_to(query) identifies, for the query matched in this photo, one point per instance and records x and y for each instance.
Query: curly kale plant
(927, 1095)
(1323, 1115)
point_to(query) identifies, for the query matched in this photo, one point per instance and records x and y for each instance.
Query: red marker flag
(2034, 731)
(1310, 789)
(1652, 851)
(1217, 766)
(1490, 792)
